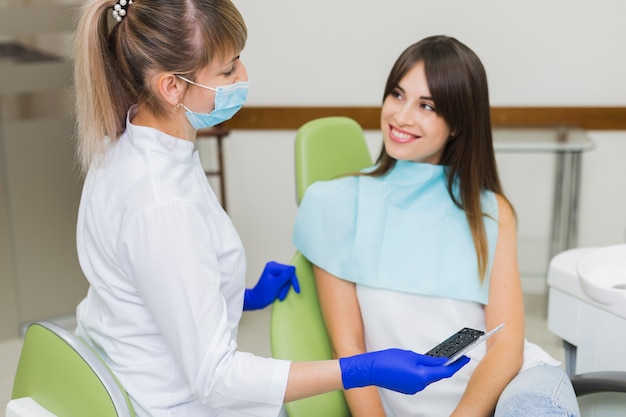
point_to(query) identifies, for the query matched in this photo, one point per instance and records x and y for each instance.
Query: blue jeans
(539, 391)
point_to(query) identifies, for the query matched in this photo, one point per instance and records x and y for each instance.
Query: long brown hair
(458, 85)
(113, 60)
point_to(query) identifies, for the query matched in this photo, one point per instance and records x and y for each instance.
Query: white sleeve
(171, 255)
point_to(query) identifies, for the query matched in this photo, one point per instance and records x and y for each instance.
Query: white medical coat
(167, 275)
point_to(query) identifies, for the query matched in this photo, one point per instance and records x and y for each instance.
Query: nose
(403, 115)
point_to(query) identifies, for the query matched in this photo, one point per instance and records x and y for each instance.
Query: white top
(419, 323)
(167, 274)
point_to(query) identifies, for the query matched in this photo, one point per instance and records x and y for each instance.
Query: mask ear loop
(180, 102)
(196, 84)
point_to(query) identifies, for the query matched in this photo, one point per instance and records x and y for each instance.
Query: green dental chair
(59, 375)
(297, 327)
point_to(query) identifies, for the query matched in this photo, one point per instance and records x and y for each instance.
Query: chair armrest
(595, 382)
(26, 407)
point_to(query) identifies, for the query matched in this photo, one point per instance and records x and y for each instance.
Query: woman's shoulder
(325, 221)
(332, 190)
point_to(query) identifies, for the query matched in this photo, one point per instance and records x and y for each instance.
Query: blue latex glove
(273, 284)
(396, 369)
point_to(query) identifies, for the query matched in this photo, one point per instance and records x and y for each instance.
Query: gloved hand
(274, 283)
(396, 369)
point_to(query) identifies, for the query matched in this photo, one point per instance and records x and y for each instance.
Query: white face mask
(228, 101)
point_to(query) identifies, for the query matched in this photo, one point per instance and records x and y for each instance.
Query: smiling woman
(427, 233)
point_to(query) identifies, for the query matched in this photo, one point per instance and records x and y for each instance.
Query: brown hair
(113, 61)
(458, 85)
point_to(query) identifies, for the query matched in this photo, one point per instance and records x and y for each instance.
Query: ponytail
(99, 112)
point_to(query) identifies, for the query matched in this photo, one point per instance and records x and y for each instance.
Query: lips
(401, 136)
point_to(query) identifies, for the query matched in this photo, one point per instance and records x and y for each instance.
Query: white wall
(335, 53)
(556, 52)
(603, 202)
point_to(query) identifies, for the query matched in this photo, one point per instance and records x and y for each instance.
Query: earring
(178, 105)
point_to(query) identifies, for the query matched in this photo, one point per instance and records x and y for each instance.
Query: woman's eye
(230, 71)
(428, 107)
(396, 94)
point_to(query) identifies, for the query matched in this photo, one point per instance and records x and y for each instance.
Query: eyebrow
(231, 62)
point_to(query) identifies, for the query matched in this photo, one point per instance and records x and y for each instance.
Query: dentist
(165, 265)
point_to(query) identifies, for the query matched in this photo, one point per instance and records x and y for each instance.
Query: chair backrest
(65, 376)
(327, 148)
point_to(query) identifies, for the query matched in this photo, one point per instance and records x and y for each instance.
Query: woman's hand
(273, 284)
(399, 370)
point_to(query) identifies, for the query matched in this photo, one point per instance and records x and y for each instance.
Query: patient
(424, 243)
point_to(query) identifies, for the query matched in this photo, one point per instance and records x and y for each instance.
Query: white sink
(602, 274)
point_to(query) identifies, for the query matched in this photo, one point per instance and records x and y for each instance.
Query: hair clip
(119, 10)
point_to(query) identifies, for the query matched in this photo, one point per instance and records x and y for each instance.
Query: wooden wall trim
(291, 118)
(588, 118)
